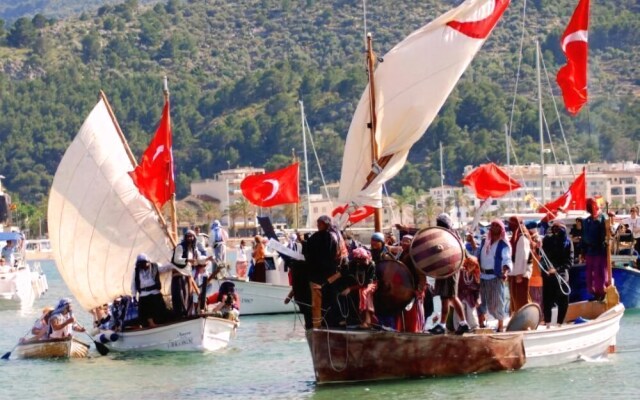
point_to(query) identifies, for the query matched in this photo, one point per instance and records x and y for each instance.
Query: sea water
(269, 359)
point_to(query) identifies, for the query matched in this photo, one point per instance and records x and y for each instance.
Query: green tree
(22, 34)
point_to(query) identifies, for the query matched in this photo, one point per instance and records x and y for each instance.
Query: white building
(225, 186)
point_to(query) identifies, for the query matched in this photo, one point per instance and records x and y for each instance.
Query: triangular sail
(411, 85)
(98, 220)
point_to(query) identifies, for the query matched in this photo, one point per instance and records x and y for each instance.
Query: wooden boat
(98, 224)
(53, 348)
(357, 355)
(194, 334)
(352, 356)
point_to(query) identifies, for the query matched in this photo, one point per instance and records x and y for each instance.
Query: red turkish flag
(361, 213)
(272, 188)
(574, 198)
(489, 180)
(572, 78)
(154, 175)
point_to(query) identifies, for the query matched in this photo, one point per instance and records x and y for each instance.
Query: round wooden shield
(395, 287)
(526, 318)
(437, 252)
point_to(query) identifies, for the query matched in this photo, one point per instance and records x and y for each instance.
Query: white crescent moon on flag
(567, 202)
(159, 151)
(276, 186)
(577, 36)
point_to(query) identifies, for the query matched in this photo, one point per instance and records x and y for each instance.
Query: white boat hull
(22, 285)
(572, 342)
(259, 298)
(198, 334)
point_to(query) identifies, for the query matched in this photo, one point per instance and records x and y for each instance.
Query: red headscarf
(592, 207)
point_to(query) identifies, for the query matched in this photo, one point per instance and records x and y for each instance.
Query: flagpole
(540, 123)
(295, 159)
(174, 212)
(307, 223)
(134, 164)
(374, 121)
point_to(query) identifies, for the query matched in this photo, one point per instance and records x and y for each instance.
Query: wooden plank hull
(351, 356)
(53, 348)
(197, 334)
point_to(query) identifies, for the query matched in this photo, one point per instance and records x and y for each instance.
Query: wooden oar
(6, 355)
(102, 349)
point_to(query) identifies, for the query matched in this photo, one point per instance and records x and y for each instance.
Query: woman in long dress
(241, 261)
(260, 265)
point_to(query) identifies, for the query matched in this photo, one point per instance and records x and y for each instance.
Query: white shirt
(60, 333)
(487, 261)
(147, 280)
(522, 266)
(634, 226)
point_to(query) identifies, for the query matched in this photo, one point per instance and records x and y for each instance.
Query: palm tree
(247, 210)
(407, 197)
(430, 209)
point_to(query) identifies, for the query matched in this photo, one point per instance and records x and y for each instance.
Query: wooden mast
(134, 163)
(174, 213)
(374, 121)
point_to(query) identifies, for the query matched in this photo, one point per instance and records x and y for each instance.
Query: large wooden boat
(352, 356)
(625, 277)
(53, 348)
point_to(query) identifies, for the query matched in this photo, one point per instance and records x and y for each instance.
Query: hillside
(237, 70)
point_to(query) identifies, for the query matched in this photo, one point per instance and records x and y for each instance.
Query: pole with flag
(154, 175)
(572, 78)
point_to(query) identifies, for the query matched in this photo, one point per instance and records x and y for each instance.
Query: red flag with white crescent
(572, 78)
(272, 188)
(154, 175)
(573, 199)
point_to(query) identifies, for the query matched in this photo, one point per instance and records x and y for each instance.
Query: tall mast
(442, 178)
(174, 213)
(374, 121)
(306, 164)
(540, 123)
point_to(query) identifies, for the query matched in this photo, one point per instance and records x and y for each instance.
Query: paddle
(6, 355)
(102, 349)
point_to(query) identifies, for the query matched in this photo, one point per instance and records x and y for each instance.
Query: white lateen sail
(411, 85)
(98, 220)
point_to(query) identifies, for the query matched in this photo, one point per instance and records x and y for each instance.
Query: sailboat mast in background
(307, 223)
(542, 198)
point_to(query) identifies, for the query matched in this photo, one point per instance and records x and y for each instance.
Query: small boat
(258, 298)
(22, 282)
(195, 334)
(38, 250)
(52, 348)
(99, 222)
(590, 333)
